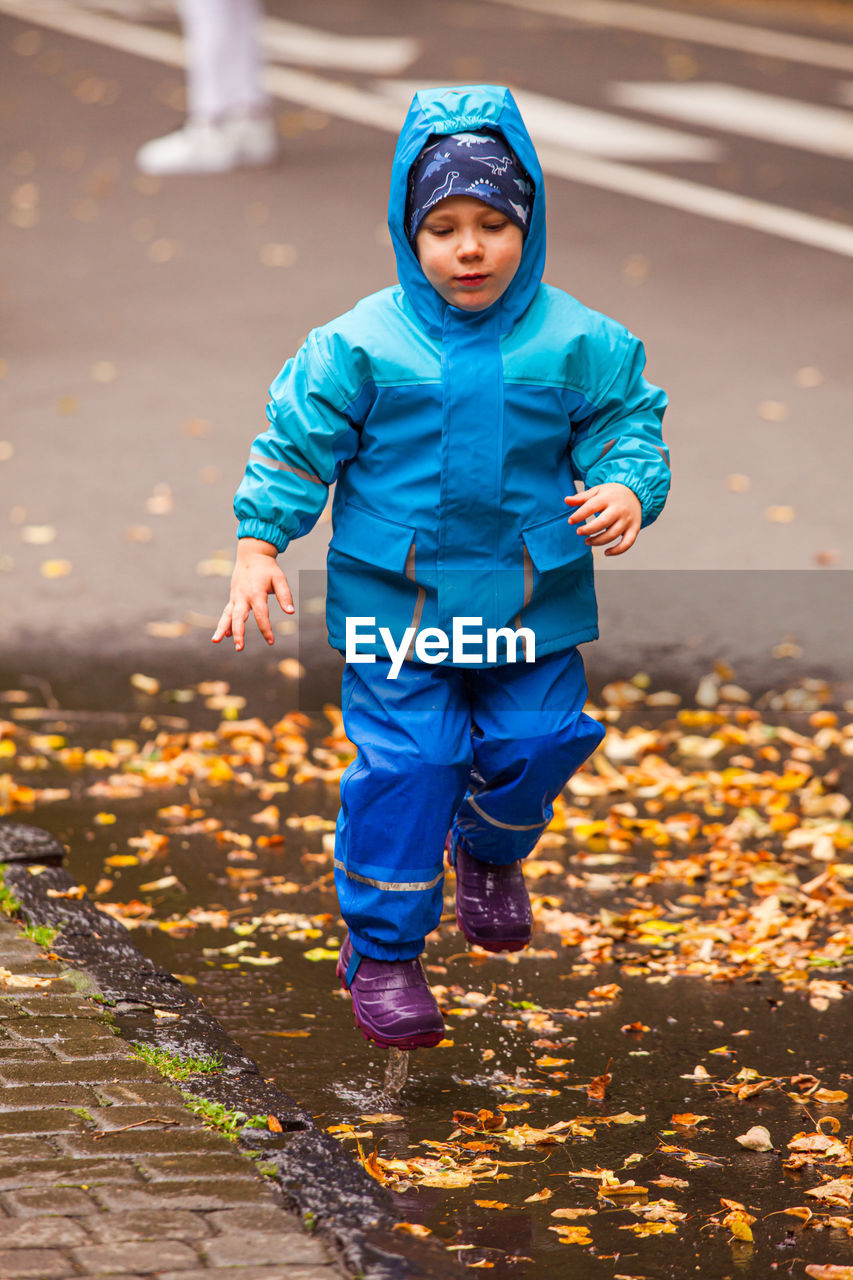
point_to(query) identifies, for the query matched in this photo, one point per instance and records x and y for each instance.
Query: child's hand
(256, 576)
(609, 510)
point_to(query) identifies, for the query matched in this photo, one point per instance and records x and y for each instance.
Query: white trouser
(223, 58)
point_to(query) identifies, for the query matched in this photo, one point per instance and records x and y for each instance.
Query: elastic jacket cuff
(266, 532)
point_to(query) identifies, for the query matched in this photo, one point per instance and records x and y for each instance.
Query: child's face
(468, 251)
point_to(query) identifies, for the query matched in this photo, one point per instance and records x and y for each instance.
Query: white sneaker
(205, 146)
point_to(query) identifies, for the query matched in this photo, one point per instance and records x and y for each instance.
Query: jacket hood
(434, 112)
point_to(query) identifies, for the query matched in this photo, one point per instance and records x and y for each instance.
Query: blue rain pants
(482, 749)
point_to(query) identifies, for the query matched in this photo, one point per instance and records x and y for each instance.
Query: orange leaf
(598, 1087)
(274, 1124)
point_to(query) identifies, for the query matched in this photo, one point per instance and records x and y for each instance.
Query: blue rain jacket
(454, 436)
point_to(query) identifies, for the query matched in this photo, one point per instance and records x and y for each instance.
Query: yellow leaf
(167, 630)
(121, 859)
(146, 684)
(650, 1228)
(321, 953)
(573, 1213)
(799, 1211)
(573, 1235)
(539, 1195)
(219, 566)
(412, 1229)
(382, 1117)
(491, 1204)
(267, 817)
(55, 568)
(688, 1119)
(836, 1191)
(739, 1223)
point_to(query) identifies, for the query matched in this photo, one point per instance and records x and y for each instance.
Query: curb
(327, 1189)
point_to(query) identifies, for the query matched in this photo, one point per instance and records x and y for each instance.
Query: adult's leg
(530, 735)
(397, 800)
(223, 57)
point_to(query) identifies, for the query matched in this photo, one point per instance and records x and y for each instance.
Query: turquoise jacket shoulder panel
(454, 436)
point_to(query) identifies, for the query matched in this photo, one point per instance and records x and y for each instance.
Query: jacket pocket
(553, 543)
(373, 539)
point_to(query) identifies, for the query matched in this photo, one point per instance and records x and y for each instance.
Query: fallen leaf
(55, 568)
(739, 1222)
(756, 1139)
(145, 684)
(38, 535)
(650, 1228)
(167, 630)
(491, 1204)
(412, 1229)
(597, 1087)
(22, 981)
(573, 1235)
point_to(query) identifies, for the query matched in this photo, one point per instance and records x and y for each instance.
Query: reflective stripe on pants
(520, 727)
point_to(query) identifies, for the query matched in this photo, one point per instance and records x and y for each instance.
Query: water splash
(396, 1072)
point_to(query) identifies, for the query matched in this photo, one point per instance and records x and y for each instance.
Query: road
(697, 160)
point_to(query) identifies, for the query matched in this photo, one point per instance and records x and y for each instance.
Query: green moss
(8, 902)
(172, 1065)
(82, 1113)
(267, 1168)
(43, 934)
(231, 1123)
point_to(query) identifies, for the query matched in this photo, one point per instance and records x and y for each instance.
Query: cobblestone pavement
(81, 1194)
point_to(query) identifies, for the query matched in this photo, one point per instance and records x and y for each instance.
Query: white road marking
(695, 28)
(726, 107)
(381, 112)
(591, 132)
(376, 55)
(708, 202)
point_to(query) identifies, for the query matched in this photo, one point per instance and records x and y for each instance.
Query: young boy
(455, 411)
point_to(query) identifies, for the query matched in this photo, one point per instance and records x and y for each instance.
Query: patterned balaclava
(482, 165)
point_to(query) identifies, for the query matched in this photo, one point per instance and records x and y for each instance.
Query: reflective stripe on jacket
(454, 436)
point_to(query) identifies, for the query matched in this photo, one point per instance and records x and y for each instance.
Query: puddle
(531, 1034)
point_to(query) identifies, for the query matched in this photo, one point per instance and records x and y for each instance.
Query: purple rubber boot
(492, 903)
(391, 1000)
